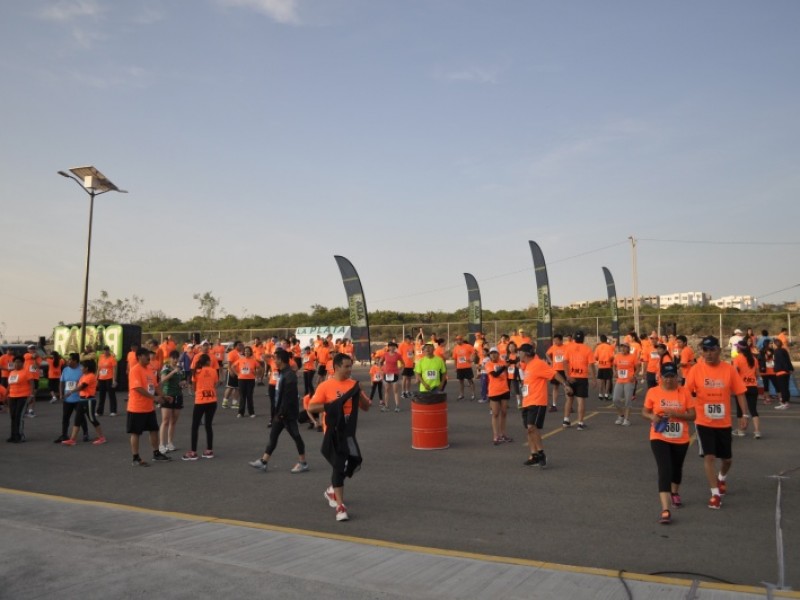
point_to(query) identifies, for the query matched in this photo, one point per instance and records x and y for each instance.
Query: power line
(714, 243)
(791, 287)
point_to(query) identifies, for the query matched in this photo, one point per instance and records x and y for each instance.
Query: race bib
(622, 373)
(103, 372)
(431, 374)
(390, 377)
(14, 379)
(33, 369)
(151, 389)
(70, 385)
(674, 430)
(511, 370)
(245, 370)
(559, 358)
(770, 364)
(715, 411)
(654, 355)
(462, 360)
(274, 376)
(410, 354)
(376, 377)
(524, 391)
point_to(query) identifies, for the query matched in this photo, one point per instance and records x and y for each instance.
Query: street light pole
(94, 183)
(635, 286)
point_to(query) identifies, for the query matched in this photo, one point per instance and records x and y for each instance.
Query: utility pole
(635, 286)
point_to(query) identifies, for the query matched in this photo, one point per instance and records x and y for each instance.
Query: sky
(421, 139)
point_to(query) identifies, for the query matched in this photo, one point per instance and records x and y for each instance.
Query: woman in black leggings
(205, 382)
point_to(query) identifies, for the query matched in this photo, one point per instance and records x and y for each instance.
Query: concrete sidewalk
(67, 548)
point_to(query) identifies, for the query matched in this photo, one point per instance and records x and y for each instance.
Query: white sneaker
(170, 447)
(757, 435)
(330, 497)
(619, 421)
(782, 406)
(626, 423)
(341, 513)
(162, 449)
(738, 433)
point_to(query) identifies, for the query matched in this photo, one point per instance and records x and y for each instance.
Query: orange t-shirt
(232, 357)
(713, 387)
(375, 374)
(658, 400)
(604, 355)
(309, 361)
(439, 351)
(502, 349)
(218, 352)
(274, 373)
(205, 385)
(579, 356)
(687, 358)
(463, 355)
(625, 366)
(32, 362)
(406, 350)
(90, 379)
(245, 368)
(331, 390)
(106, 366)
(19, 383)
(213, 364)
(54, 368)
(535, 376)
(141, 377)
(132, 360)
(6, 364)
(497, 385)
(556, 354)
(746, 372)
(513, 366)
(323, 354)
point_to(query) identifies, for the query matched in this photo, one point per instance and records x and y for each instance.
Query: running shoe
(53, 400)
(341, 513)
(542, 460)
(553, 408)
(619, 421)
(666, 517)
(68, 442)
(723, 487)
(239, 415)
(300, 468)
(565, 423)
(397, 409)
(782, 406)
(505, 438)
(158, 456)
(582, 426)
(208, 454)
(85, 437)
(330, 497)
(224, 404)
(676, 500)
(626, 423)
(460, 398)
(533, 460)
(235, 405)
(112, 414)
(99, 441)
(738, 433)
(31, 414)
(170, 447)
(253, 416)
(258, 464)
(715, 502)
(162, 449)
(189, 456)
(757, 435)
(60, 439)
(138, 462)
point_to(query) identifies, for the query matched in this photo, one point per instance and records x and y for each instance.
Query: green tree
(121, 310)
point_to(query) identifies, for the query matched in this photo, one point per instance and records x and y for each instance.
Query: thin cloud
(281, 11)
(472, 75)
(127, 77)
(68, 11)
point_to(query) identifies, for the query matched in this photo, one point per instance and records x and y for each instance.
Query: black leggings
(751, 395)
(782, 387)
(669, 459)
(769, 379)
(66, 413)
(308, 382)
(246, 389)
(271, 396)
(376, 385)
(278, 425)
(105, 386)
(204, 412)
(16, 408)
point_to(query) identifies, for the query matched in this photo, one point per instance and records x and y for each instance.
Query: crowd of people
(678, 387)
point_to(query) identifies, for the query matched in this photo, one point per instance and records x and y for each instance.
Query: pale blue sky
(420, 139)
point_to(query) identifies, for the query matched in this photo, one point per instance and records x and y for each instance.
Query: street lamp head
(93, 179)
(63, 174)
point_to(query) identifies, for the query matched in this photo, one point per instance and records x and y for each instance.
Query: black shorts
(554, 381)
(233, 381)
(604, 374)
(176, 404)
(408, 371)
(714, 441)
(533, 416)
(138, 423)
(321, 370)
(580, 388)
(54, 385)
(395, 377)
(501, 397)
(462, 374)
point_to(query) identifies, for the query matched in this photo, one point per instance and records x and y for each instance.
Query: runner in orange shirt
(625, 366)
(131, 360)
(340, 397)
(393, 365)
(376, 378)
(323, 356)
(6, 365)
(21, 388)
(499, 394)
(205, 381)
(535, 374)
(54, 366)
(407, 350)
(747, 366)
(686, 356)
(578, 364)
(714, 382)
(555, 355)
(464, 356)
(143, 391)
(107, 382)
(604, 356)
(33, 363)
(232, 383)
(87, 405)
(669, 408)
(247, 369)
(309, 361)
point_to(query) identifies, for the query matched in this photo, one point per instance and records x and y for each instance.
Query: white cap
(494, 349)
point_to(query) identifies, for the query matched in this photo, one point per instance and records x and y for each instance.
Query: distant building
(627, 303)
(739, 302)
(684, 299)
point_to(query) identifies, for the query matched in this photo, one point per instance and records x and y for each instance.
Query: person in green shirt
(430, 371)
(172, 385)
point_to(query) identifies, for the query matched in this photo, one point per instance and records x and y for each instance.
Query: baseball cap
(709, 342)
(737, 331)
(493, 349)
(578, 336)
(669, 370)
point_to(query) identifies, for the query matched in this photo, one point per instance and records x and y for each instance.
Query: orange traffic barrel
(429, 421)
